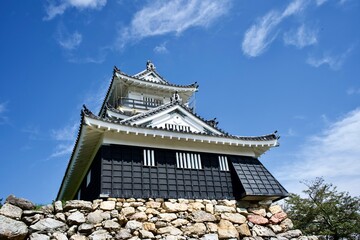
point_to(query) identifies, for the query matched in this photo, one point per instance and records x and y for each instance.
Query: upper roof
(150, 74)
(149, 78)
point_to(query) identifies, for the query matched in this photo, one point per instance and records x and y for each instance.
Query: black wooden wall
(92, 191)
(123, 174)
(119, 171)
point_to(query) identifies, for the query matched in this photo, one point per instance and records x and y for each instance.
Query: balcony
(146, 104)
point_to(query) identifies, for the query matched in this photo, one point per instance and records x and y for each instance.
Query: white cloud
(87, 3)
(161, 48)
(332, 154)
(335, 62)
(261, 34)
(69, 41)
(300, 38)
(164, 17)
(294, 7)
(55, 8)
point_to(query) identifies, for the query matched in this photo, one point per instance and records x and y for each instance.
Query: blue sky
(291, 66)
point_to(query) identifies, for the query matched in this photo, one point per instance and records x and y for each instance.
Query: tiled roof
(130, 122)
(111, 108)
(117, 70)
(84, 112)
(256, 179)
(166, 83)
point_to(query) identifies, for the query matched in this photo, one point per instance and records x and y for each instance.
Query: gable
(177, 119)
(152, 77)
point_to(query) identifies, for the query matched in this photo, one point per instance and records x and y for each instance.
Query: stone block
(11, 211)
(107, 205)
(227, 230)
(12, 229)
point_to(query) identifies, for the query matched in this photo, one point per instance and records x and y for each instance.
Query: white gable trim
(191, 120)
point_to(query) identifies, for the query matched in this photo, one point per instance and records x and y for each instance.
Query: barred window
(177, 127)
(223, 162)
(152, 101)
(149, 158)
(188, 160)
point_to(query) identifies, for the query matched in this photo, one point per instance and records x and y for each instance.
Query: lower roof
(257, 182)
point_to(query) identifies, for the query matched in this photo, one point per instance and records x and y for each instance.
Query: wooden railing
(139, 104)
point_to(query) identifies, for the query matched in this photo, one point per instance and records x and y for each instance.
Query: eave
(258, 144)
(87, 143)
(169, 87)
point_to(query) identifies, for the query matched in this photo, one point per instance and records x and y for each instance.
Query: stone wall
(145, 219)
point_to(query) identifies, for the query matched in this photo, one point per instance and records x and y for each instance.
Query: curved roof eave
(61, 189)
(269, 139)
(191, 87)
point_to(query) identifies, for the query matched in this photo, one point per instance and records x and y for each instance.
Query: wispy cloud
(333, 154)
(161, 48)
(320, 2)
(94, 97)
(58, 7)
(3, 108)
(302, 37)
(32, 131)
(164, 17)
(261, 34)
(62, 150)
(65, 138)
(97, 57)
(353, 91)
(65, 134)
(290, 133)
(335, 62)
(68, 41)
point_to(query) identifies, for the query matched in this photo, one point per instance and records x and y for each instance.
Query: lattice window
(188, 160)
(223, 162)
(149, 158)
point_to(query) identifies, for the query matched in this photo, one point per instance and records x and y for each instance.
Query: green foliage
(1, 202)
(325, 211)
